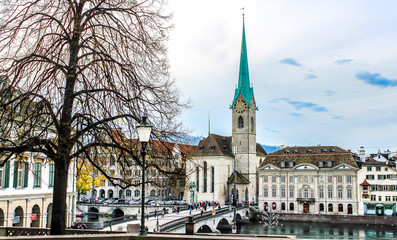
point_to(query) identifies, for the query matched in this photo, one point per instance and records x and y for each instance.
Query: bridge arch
(117, 213)
(204, 229)
(223, 224)
(93, 213)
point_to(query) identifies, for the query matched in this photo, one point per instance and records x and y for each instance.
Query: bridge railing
(178, 222)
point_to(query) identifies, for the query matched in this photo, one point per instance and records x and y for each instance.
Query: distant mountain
(270, 149)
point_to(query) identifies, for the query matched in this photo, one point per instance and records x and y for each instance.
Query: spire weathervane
(242, 9)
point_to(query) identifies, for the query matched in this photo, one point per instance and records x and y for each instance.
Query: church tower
(244, 120)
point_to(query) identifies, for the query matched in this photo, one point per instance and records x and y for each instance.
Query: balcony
(306, 200)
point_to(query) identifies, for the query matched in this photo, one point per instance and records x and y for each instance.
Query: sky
(324, 72)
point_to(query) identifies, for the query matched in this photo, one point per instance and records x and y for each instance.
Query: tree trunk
(58, 220)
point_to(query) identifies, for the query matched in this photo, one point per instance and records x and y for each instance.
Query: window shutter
(25, 181)
(15, 174)
(7, 175)
(39, 175)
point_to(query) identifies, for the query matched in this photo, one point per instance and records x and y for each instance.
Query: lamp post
(144, 130)
(192, 186)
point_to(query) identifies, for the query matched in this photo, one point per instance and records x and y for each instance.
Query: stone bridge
(221, 219)
(118, 210)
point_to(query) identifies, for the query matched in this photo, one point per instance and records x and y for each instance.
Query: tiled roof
(310, 154)
(214, 145)
(365, 183)
(260, 151)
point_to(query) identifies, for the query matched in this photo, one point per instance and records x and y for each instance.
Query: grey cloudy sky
(324, 72)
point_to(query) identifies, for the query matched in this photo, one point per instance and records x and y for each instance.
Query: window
(282, 179)
(339, 179)
(340, 207)
(291, 163)
(137, 193)
(265, 192)
(321, 179)
(273, 179)
(306, 193)
(330, 207)
(349, 193)
(283, 206)
(330, 179)
(128, 193)
(369, 169)
(349, 179)
(205, 177)
(21, 174)
(340, 193)
(291, 179)
(240, 122)
(329, 163)
(321, 207)
(329, 192)
(282, 163)
(321, 193)
(388, 198)
(381, 177)
(321, 163)
(370, 177)
(252, 124)
(291, 207)
(212, 179)
(37, 174)
(265, 178)
(379, 198)
(394, 198)
(52, 172)
(198, 179)
(282, 193)
(291, 192)
(305, 179)
(1, 176)
(274, 192)
(373, 197)
(378, 169)
(5, 175)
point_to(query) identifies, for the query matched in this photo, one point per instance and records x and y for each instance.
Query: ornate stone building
(311, 179)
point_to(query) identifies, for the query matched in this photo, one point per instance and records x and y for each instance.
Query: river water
(321, 230)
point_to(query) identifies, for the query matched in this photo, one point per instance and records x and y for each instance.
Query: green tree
(77, 70)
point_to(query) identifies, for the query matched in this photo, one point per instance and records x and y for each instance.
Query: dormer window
(294, 151)
(212, 147)
(308, 151)
(329, 163)
(332, 150)
(286, 151)
(321, 163)
(291, 163)
(282, 163)
(323, 150)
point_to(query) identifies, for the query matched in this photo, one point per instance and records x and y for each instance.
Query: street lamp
(192, 186)
(144, 130)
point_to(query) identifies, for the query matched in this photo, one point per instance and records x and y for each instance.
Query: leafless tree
(76, 71)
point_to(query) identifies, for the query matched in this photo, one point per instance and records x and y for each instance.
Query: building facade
(378, 186)
(311, 179)
(26, 190)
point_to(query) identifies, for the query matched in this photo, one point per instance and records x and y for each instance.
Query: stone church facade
(218, 160)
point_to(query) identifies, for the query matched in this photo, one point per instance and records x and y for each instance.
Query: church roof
(310, 154)
(214, 145)
(240, 179)
(217, 145)
(244, 88)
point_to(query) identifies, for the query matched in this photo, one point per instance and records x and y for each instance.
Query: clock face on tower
(240, 106)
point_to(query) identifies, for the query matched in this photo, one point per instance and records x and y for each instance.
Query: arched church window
(252, 124)
(197, 179)
(205, 177)
(212, 179)
(240, 122)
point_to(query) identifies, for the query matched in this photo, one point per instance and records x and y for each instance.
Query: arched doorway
(274, 206)
(306, 208)
(102, 194)
(49, 215)
(152, 193)
(1, 217)
(349, 209)
(18, 217)
(265, 207)
(35, 217)
(110, 193)
(121, 193)
(94, 193)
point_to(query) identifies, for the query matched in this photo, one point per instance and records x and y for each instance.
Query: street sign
(16, 220)
(234, 229)
(33, 216)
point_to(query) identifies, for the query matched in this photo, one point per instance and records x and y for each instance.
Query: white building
(311, 179)
(26, 189)
(378, 186)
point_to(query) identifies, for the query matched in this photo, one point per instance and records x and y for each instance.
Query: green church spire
(244, 86)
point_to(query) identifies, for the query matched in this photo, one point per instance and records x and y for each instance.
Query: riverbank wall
(340, 219)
